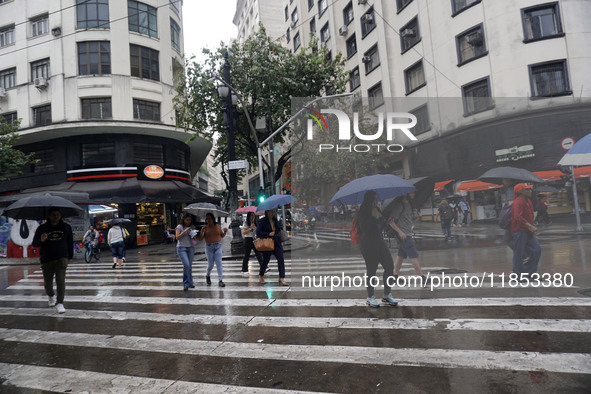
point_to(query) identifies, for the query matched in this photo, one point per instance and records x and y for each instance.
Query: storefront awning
(556, 175)
(475, 186)
(132, 190)
(441, 185)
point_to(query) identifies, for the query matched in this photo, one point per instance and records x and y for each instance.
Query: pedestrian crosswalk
(136, 330)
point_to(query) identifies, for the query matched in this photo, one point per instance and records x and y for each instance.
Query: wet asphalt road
(136, 330)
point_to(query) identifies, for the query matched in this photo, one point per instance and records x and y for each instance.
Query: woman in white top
(116, 240)
(248, 231)
(185, 236)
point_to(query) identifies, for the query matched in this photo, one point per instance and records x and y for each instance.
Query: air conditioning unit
(56, 31)
(368, 18)
(407, 33)
(361, 1)
(474, 38)
(343, 30)
(366, 59)
(2, 92)
(41, 82)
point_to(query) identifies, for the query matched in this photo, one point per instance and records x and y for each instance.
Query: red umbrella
(251, 208)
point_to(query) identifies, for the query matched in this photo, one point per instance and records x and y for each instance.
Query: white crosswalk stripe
(141, 309)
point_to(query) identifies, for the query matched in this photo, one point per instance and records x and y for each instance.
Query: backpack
(354, 235)
(505, 217)
(446, 212)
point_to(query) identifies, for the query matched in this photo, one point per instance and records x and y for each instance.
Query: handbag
(264, 244)
(283, 236)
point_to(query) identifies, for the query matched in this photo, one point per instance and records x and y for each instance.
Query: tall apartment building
(491, 82)
(93, 84)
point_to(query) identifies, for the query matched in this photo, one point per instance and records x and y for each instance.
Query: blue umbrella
(579, 154)
(276, 200)
(387, 186)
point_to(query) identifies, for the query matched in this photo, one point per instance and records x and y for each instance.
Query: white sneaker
(60, 308)
(51, 300)
(371, 301)
(245, 273)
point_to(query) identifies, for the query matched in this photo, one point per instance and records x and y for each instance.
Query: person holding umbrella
(268, 227)
(56, 242)
(213, 235)
(116, 241)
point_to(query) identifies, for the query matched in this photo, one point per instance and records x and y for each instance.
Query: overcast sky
(206, 23)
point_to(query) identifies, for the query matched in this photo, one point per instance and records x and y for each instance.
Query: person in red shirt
(523, 233)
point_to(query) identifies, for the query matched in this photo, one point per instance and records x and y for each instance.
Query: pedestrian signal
(261, 195)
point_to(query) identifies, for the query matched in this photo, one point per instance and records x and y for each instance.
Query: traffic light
(261, 195)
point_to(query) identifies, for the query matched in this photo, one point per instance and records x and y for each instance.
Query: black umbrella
(425, 186)
(118, 221)
(37, 207)
(496, 175)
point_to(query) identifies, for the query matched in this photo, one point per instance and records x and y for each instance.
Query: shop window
(142, 18)
(351, 46)
(40, 69)
(148, 154)
(92, 14)
(423, 121)
(549, 79)
(409, 35)
(8, 78)
(96, 108)
(144, 62)
(371, 59)
(98, 153)
(42, 115)
(94, 58)
(458, 6)
(414, 77)
(146, 110)
(355, 79)
(477, 96)
(7, 36)
(368, 23)
(45, 161)
(471, 45)
(376, 96)
(541, 22)
(348, 14)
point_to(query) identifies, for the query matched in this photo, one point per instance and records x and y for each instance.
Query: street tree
(267, 76)
(12, 160)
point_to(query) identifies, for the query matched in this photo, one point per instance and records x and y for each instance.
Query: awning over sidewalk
(132, 190)
(556, 175)
(475, 186)
(439, 186)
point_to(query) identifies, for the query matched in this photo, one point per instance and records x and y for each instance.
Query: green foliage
(266, 75)
(11, 160)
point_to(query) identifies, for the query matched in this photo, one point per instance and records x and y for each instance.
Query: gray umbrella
(118, 221)
(37, 207)
(496, 175)
(202, 208)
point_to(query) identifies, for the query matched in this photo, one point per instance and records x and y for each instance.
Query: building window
(9, 117)
(313, 25)
(322, 6)
(376, 96)
(40, 69)
(42, 115)
(310, 4)
(324, 34)
(471, 45)
(96, 108)
(39, 26)
(294, 17)
(181, 158)
(142, 18)
(296, 42)
(401, 4)
(45, 161)
(146, 110)
(148, 153)
(414, 77)
(175, 35)
(371, 59)
(144, 62)
(368, 23)
(477, 97)
(98, 153)
(286, 11)
(541, 22)
(92, 14)
(423, 122)
(288, 35)
(94, 58)
(355, 79)
(549, 79)
(348, 14)
(7, 36)
(351, 46)
(176, 6)
(458, 6)
(8, 78)
(409, 35)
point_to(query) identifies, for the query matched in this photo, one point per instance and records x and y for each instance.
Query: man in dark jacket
(523, 233)
(57, 249)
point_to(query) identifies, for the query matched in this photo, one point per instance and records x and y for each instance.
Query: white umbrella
(202, 208)
(579, 154)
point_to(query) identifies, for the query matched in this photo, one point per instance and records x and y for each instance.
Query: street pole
(576, 199)
(229, 108)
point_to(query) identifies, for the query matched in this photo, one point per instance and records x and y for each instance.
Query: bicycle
(92, 251)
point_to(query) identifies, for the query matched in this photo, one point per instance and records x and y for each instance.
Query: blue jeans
(446, 227)
(186, 255)
(118, 249)
(214, 255)
(526, 244)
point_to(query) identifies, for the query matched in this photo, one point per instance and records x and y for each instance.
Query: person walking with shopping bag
(269, 229)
